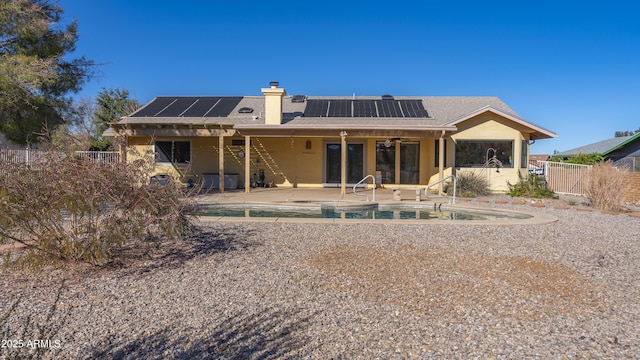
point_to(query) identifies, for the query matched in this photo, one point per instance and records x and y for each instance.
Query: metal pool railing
(361, 182)
(452, 199)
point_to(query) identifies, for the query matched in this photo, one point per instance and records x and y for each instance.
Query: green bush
(469, 184)
(584, 159)
(532, 186)
(64, 208)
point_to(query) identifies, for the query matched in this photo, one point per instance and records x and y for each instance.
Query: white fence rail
(28, 156)
(564, 178)
(100, 156)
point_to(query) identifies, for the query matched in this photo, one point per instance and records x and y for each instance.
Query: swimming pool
(382, 212)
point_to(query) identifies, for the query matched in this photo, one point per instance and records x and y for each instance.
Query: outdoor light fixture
(343, 133)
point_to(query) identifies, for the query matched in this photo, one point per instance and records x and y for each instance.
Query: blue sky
(572, 67)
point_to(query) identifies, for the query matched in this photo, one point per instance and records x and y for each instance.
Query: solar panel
(177, 107)
(413, 108)
(387, 108)
(316, 108)
(154, 106)
(364, 108)
(201, 107)
(340, 108)
(224, 107)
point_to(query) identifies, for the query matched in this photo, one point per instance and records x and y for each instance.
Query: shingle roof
(601, 147)
(441, 110)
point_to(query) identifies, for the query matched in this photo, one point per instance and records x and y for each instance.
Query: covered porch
(342, 156)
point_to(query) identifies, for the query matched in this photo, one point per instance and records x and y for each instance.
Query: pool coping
(537, 218)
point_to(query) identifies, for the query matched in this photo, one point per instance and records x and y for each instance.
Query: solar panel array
(365, 108)
(189, 106)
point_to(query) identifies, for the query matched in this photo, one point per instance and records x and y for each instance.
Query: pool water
(395, 212)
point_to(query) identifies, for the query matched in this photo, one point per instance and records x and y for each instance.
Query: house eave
(335, 130)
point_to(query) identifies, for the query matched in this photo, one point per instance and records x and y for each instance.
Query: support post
(343, 163)
(441, 161)
(247, 164)
(221, 163)
(397, 170)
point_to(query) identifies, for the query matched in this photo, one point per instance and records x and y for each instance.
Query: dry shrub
(470, 184)
(65, 208)
(606, 186)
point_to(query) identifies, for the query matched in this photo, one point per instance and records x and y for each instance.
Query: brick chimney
(273, 104)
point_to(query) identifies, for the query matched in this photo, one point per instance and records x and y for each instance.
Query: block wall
(633, 195)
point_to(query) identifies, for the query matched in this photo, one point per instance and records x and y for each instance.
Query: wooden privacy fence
(29, 156)
(564, 178)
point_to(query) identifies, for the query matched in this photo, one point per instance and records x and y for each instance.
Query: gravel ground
(292, 290)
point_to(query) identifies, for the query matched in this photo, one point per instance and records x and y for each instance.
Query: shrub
(584, 159)
(63, 208)
(469, 184)
(532, 186)
(606, 186)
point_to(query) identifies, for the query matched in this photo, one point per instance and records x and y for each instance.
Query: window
(437, 152)
(175, 152)
(523, 161)
(478, 153)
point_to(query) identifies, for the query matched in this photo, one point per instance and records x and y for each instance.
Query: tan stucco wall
(489, 126)
(304, 167)
(273, 105)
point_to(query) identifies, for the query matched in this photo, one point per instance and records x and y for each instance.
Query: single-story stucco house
(624, 151)
(330, 141)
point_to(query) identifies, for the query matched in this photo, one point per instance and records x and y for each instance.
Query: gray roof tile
(598, 147)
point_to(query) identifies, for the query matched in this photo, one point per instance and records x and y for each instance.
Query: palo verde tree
(36, 73)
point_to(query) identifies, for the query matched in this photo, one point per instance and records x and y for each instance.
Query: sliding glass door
(387, 161)
(355, 163)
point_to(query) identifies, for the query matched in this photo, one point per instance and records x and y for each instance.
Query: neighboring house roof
(603, 147)
(372, 112)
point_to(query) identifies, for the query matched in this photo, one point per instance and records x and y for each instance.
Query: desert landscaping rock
(297, 290)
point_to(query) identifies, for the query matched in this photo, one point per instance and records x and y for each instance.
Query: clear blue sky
(572, 67)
